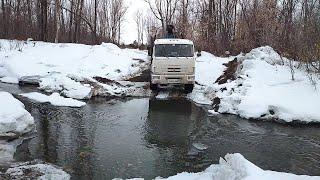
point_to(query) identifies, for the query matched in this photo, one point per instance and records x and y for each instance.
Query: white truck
(173, 63)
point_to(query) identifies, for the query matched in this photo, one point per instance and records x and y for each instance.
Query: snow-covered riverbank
(74, 70)
(236, 167)
(261, 88)
(16, 121)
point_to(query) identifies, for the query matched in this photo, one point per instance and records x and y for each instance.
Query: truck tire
(153, 87)
(188, 88)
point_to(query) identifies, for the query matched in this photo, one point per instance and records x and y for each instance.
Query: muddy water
(149, 138)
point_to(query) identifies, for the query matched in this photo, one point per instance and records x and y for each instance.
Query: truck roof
(173, 41)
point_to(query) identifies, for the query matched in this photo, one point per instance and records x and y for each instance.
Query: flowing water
(149, 138)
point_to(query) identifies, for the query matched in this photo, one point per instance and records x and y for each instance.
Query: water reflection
(150, 138)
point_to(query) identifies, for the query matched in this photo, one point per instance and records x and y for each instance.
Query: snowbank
(208, 70)
(67, 68)
(37, 171)
(14, 119)
(9, 80)
(54, 99)
(236, 167)
(262, 89)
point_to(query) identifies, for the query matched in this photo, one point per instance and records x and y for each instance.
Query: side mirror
(198, 53)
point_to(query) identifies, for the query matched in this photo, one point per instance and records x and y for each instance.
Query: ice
(54, 99)
(13, 116)
(6, 151)
(200, 146)
(66, 85)
(213, 112)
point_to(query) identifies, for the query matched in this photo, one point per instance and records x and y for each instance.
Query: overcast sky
(129, 29)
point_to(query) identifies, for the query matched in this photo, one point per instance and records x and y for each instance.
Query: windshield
(174, 50)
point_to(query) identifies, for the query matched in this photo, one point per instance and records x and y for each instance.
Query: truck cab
(173, 63)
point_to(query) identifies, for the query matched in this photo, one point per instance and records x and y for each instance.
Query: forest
(291, 27)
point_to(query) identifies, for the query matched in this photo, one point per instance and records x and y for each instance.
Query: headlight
(156, 77)
(190, 78)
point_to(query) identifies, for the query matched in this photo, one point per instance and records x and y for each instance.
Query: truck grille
(174, 69)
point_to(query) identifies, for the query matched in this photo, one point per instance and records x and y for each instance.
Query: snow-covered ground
(70, 69)
(14, 119)
(54, 99)
(236, 167)
(208, 70)
(263, 87)
(36, 171)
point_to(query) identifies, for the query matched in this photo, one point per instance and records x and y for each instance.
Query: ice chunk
(13, 116)
(54, 99)
(200, 146)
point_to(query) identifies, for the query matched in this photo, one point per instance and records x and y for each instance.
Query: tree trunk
(71, 20)
(4, 21)
(43, 19)
(95, 21)
(57, 18)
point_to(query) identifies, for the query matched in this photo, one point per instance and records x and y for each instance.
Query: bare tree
(163, 10)
(140, 22)
(57, 19)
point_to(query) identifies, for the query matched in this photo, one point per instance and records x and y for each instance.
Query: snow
(54, 99)
(37, 171)
(209, 68)
(10, 80)
(267, 90)
(236, 167)
(162, 95)
(66, 85)
(13, 116)
(263, 89)
(67, 68)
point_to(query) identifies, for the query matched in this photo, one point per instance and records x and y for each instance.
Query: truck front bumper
(172, 79)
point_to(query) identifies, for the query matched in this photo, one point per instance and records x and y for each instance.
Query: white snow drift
(208, 69)
(236, 167)
(37, 171)
(54, 99)
(67, 67)
(263, 88)
(13, 116)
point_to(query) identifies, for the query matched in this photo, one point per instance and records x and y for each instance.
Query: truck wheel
(188, 88)
(153, 87)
